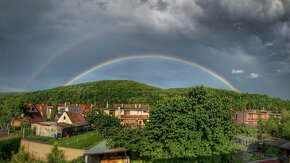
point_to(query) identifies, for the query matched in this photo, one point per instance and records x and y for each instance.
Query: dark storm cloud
(253, 35)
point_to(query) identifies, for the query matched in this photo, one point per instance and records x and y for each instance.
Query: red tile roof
(42, 124)
(76, 117)
(86, 108)
(40, 107)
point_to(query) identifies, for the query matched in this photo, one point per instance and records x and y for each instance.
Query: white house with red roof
(72, 122)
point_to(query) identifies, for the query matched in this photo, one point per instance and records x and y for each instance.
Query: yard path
(40, 150)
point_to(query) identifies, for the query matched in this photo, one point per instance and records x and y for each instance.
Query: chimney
(107, 105)
(139, 105)
(122, 105)
(65, 104)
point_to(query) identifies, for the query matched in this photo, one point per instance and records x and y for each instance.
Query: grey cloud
(222, 34)
(253, 75)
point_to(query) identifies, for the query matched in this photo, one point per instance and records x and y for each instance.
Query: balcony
(134, 116)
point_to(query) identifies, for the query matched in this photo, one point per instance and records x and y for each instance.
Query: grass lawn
(39, 139)
(80, 141)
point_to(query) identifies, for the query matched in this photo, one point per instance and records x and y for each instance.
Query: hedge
(8, 146)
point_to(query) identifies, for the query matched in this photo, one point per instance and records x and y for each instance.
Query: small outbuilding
(48, 129)
(102, 153)
(283, 146)
(250, 143)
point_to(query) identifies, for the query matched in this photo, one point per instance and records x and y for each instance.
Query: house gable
(64, 118)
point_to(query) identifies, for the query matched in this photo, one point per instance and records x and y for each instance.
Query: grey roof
(102, 148)
(279, 143)
(243, 137)
(82, 124)
(285, 145)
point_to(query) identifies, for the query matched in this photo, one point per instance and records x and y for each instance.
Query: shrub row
(8, 146)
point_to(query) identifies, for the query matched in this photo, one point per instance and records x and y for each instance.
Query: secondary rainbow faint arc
(164, 57)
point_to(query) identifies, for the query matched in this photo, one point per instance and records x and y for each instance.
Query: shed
(284, 148)
(102, 153)
(249, 142)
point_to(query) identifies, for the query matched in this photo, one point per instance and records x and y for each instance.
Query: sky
(44, 44)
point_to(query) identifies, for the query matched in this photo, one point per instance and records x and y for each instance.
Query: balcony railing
(134, 116)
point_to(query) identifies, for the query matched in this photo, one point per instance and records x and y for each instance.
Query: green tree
(285, 123)
(53, 113)
(44, 115)
(194, 126)
(91, 115)
(106, 124)
(22, 157)
(56, 155)
(11, 108)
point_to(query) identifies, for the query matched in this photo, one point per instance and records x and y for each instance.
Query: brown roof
(76, 117)
(33, 116)
(64, 125)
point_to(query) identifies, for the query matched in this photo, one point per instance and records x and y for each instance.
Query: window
(112, 113)
(64, 117)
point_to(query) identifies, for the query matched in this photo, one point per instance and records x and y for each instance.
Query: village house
(32, 115)
(129, 114)
(71, 123)
(251, 117)
(68, 124)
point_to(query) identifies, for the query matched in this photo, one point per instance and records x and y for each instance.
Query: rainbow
(63, 51)
(150, 56)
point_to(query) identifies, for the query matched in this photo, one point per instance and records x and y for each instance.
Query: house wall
(44, 130)
(64, 119)
(48, 111)
(40, 150)
(16, 123)
(92, 158)
(134, 112)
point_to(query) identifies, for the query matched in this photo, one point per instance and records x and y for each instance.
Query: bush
(56, 155)
(247, 130)
(23, 157)
(8, 146)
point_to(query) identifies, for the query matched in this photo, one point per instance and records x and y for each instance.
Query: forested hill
(125, 91)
